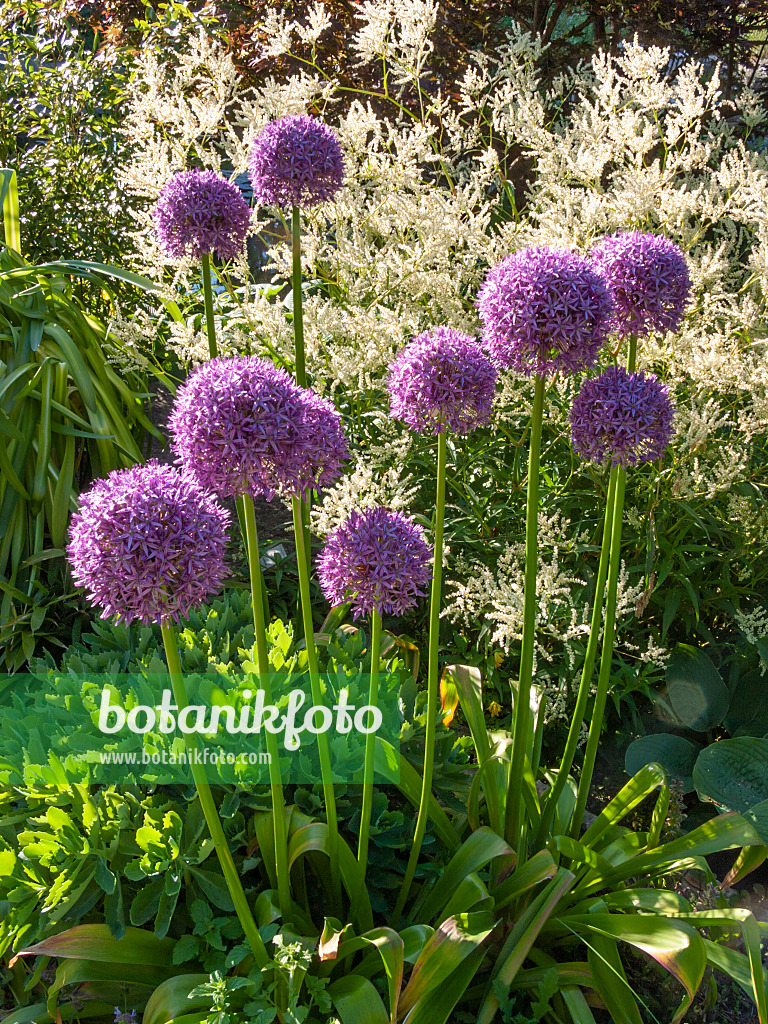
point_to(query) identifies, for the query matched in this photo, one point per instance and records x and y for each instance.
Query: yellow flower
(494, 709)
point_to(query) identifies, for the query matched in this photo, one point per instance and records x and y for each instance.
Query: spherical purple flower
(148, 543)
(648, 280)
(442, 381)
(622, 416)
(243, 426)
(378, 559)
(544, 310)
(296, 161)
(200, 212)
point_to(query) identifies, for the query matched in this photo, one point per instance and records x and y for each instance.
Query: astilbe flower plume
(442, 381)
(544, 310)
(377, 559)
(148, 543)
(199, 212)
(622, 416)
(648, 279)
(296, 161)
(243, 426)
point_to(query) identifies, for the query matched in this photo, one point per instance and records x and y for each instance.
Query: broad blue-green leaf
(696, 689)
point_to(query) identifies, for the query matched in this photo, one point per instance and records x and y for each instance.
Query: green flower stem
(370, 747)
(586, 674)
(603, 680)
(298, 347)
(433, 686)
(513, 829)
(273, 749)
(609, 633)
(298, 303)
(210, 324)
(323, 746)
(209, 807)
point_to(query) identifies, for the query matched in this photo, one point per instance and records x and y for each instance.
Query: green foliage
(65, 415)
(60, 114)
(701, 702)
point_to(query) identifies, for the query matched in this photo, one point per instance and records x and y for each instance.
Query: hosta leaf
(733, 773)
(675, 754)
(697, 692)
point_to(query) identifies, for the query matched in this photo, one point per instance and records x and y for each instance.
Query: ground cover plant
(520, 416)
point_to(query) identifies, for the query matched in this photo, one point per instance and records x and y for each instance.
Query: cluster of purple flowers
(442, 381)
(544, 310)
(243, 426)
(148, 543)
(648, 280)
(621, 416)
(296, 161)
(198, 213)
(377, 559)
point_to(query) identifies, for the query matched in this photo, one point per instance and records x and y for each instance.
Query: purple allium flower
(200, 212)
(648, 279)
(378, 559)
(544, 310)
(296, 161)
(442, 380)
(148, 543)
(243, 426)
(626, 417)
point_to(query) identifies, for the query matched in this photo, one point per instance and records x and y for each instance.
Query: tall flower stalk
(441, 381)
(326, 769)
(379, 560)
(243, 427)
(296, 163)
(543, 311)
(625, 417)
(198, 213)
(148, 543)
(282, 868)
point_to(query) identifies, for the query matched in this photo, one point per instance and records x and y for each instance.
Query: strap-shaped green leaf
(9, 200)
(357, 1001)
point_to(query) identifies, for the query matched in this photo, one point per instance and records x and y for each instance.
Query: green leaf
(675, 754)
(611, 980)
(439, 1005)
(697, 692)
(451, 943)
(172, 998)
(95, 942)
(357, 1001)
(737, 966)
(314, 837)
(481, 848)
(733, 773)
(392, 951)
(214, 887)
(675, 945)
(390, 764)
(9, 200)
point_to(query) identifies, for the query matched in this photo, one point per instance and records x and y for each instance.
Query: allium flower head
(622, 416)
(378, 559)
(200, 212)
(442, 381)
(648, 280)
(544, 310)
(296, 161)
(148, 543)
(243, 426)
